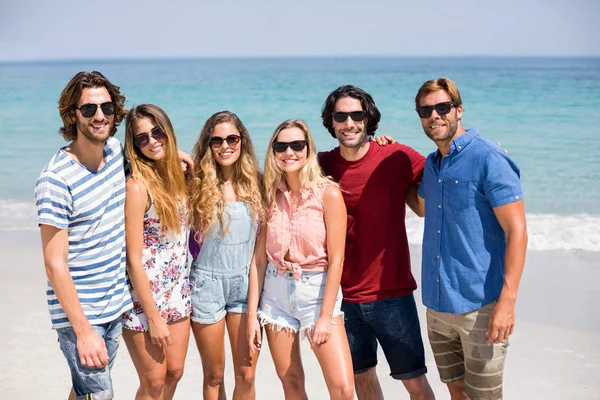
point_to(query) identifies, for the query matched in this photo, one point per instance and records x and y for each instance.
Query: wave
(546, 231)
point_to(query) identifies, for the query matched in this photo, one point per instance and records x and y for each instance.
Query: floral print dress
(166, 260)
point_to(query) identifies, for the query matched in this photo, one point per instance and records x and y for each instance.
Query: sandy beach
(554, 352)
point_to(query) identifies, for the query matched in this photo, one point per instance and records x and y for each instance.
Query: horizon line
(288, 57)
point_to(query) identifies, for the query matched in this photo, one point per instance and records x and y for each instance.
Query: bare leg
(419, 388)
(150, 363)
(244, 362)
(336, 363)
(367, 385)
(72, 395)
(285, 350)
(175, 353)
(210, 340)
(457, 390)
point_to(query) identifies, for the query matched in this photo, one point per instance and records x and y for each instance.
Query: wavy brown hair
(311, 175)
(166, 185)
(71, 94)
(206, 185)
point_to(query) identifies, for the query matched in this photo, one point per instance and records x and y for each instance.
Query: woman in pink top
(299, 287)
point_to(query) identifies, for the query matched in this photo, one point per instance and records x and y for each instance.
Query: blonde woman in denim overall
(226, 205)
(304, 243)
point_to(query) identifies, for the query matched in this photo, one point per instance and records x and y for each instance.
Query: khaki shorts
(461, 351)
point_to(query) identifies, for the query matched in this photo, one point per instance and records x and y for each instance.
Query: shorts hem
(264, 320)
(362, 370)
(103, 395)
(410, 375)
(207, 321)
(450, 380)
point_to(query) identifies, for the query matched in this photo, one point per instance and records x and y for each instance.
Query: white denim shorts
(294, 305)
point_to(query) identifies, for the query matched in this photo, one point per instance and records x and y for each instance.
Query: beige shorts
(461, 351)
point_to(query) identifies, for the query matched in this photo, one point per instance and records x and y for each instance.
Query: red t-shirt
(377, 261)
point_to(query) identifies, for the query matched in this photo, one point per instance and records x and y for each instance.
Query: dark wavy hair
(373, 114)
(71, 94)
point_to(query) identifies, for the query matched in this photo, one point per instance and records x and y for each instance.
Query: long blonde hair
(206, 186)
(311, 176)
(166, 185)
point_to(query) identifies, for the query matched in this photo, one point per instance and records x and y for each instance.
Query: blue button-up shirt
(463, 242)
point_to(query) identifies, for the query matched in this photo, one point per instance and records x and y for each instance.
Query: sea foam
(546, 231)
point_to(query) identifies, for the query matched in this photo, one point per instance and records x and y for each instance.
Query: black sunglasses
(440, 108)
(296, 145)
(356, 116)
(143, 139)
(217, 141)
(89, 110)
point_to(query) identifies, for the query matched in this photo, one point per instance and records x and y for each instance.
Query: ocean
(534, 107)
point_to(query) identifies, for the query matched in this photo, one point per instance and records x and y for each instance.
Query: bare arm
(335, 223)
(258, 266)
(512, 220)
(90, 346)
(136, 203)
(414, 201)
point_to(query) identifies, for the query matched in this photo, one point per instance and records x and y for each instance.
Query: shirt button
(438, 280)
(439, 206)
(456, 182)
(460, 147)
(438, 257)
(439, 180)
(439, 231)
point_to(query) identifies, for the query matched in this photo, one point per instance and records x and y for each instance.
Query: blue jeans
(90, 382)
(394, 323)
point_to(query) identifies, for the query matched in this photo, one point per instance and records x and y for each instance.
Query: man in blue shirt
(474, 246)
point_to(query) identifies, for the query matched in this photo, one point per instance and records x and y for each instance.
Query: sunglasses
(296, 145)
(142, 140)
(440, 108)
(89, 110)
(217, 141)
(356, 116)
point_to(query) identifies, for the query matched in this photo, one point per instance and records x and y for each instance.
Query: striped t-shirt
(90, 205)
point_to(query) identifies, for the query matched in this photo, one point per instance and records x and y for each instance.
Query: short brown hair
(435, 85)
(71, 94)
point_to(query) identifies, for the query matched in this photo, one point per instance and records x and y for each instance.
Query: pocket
(456, 192)
(197, 281)
(316, 279)
(240, 228)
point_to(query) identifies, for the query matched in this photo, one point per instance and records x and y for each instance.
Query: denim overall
(219, 276)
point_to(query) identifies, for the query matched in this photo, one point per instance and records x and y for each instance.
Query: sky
(35, 30)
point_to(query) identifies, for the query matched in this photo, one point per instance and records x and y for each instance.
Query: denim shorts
(90, 382)
(294, 305)
(394, 323)
(461, 351)
(214, 294)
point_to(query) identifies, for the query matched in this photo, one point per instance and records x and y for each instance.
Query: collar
(304, 193)
(460, 142)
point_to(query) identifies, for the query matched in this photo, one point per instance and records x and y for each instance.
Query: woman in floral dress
(157, 329)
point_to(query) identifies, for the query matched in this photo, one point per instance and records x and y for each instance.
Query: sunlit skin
(155, 149)
(290, 160)
(225, 155)
(351, 135)
(442, 129)
(95, 129)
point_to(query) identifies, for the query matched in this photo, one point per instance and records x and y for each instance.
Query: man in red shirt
(377, 282)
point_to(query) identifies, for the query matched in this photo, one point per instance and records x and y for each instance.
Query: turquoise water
(540, 109)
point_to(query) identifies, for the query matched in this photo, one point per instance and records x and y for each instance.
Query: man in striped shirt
(80, 197)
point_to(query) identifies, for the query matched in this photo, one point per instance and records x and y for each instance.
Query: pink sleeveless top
(301, 233)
